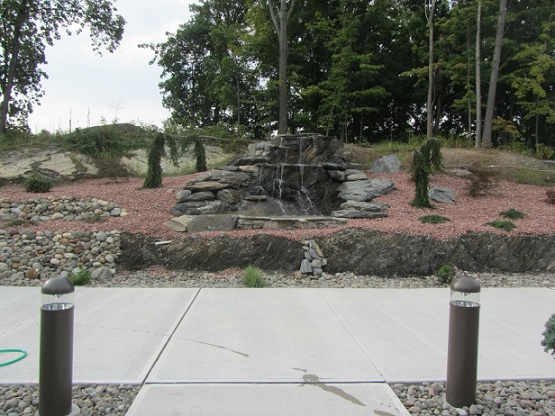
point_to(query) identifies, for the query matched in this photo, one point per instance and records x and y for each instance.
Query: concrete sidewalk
(276, 351)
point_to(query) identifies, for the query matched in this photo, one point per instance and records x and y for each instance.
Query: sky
(86, 88)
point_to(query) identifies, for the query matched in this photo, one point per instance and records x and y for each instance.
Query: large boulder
(364, 190)
(386, 164)
(441, 195)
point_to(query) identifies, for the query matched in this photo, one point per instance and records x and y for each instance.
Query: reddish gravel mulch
(148, 209)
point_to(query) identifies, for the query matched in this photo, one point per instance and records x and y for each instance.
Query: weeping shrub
(425, 161)
(154, 173)
(158, 150)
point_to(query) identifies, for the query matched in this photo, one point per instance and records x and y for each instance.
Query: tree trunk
(22, 16)
(490, 107)
(478, 75)
(430, 104)
(281, 31)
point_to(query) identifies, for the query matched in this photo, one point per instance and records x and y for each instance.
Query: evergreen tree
(425, 161)
(154, 173)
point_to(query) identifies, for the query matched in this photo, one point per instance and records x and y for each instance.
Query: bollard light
(462, 354)
(56, 348)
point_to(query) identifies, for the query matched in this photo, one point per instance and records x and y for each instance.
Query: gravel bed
(500, 398)
(90, 399)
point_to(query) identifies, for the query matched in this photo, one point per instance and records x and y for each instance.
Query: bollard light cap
(58, 285)
(465, 284)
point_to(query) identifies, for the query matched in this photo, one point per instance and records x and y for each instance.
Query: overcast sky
(120, 84)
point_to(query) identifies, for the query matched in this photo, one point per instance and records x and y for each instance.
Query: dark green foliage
(81, 277)
(154, 174)
(27, 29)
(95, 140)
(15, 223)
(253, 277)
(446, 273)
(94, 219)
(513, 214)
(481, 180)
(502, 225)
(433, 219)
(544, 152)
(426, 161)
(112, 139)
(548, 341)
(200, 154)
(157, 151)
(37, 184)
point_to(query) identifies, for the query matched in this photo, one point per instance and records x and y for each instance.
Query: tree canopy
(361, 70)
(26, 28)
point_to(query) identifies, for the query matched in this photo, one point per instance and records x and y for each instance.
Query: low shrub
(502, 225)
(16, 223)
(36, 183)
(512, 214)
(544, 152)
(481, 180)
(253, 277)
(446, 273)
(548, 341)
(433, 219)
(550, 196)
(94, 218)
(81, 277)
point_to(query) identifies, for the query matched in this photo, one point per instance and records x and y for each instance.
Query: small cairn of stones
(314, 259)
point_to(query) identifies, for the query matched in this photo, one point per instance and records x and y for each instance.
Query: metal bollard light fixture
(56, 348)
(462, 353)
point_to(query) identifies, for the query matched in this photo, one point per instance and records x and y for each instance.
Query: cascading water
(293, 179)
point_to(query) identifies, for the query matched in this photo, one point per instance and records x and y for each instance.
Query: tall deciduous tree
(430, 8)
(206, 77)
(492, 90)
(26, 28)
(280, 19)
(478, 67)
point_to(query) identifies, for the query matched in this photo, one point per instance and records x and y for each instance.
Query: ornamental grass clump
(513, 214)
(81, 277)
(502, 225)
(253, 277)
(446, 274)
(433, 219)
(548, 341)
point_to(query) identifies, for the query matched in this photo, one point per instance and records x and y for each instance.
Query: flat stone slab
(268, 399)
(364, 190)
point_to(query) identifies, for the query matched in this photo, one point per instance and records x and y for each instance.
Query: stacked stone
(215, 192)
(314, 259)
(357, 190)
(295, 175)
(67, 208)
(27, 254)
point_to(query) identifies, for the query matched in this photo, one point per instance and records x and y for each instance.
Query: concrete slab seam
(351, 335)
(170, 336)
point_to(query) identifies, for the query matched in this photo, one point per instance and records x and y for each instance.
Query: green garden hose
(15, 360)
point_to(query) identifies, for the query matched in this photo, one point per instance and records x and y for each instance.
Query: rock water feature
(291, 182)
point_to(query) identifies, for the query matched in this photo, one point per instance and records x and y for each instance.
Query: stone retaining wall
(42, 254)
